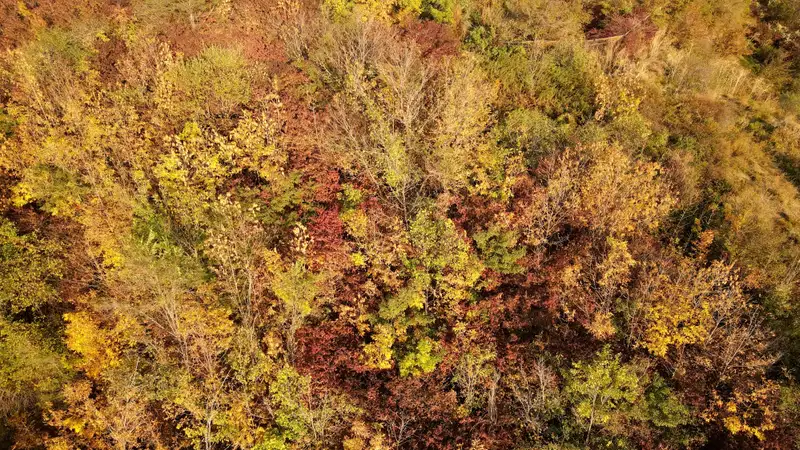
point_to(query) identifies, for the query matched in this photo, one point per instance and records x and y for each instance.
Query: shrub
(161, 12)
(499, 250)
(53, 72)
(215, 82)
(29, 268)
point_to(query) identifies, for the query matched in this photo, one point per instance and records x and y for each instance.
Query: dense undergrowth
(366, 224)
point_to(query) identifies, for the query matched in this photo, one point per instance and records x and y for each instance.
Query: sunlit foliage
(405, 224)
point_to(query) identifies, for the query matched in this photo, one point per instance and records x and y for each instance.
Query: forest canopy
(399, 224)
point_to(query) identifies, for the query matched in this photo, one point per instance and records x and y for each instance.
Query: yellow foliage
(621, 196)
(747, 412)
(446, 255)
(201, 160)
(378, 353)
(552, 205)
(462, 115)
(384, 10)
(602, 188)
(208, 330)
(594, 286)
(684, 308)
(356, 223)
(98, 347)
(615, 269)
(601, 325)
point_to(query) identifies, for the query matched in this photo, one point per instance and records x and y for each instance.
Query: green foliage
(7, 124)
(288, 393)
(410, 297)
(499, 250)
(302, 417)
(61, 46)
(564, 82)
(54, 70)
(154, 234)
(60, 191)
(442, 11)
(479, 38)
(399, 315)
(664, 409)
(32, 373)
(536, 134)
(442, 272)
(29, 268)
(603, 390)
(296, 288)
(185, 265)
(421, 360)
(217, 81)
(445, 255)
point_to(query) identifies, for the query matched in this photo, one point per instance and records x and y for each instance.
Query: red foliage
(326, 186)
(330, 352)
(435, 40)
(329, 248)
(419, 410)
(19, 20)
(635, 31)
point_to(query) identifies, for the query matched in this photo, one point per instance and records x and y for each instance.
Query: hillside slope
(399, 224)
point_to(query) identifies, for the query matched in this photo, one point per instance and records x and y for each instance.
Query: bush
(161, 12)
(535, 134)
(29, 269)
(529, 21)
(215, 82)
(561, 80)
(499, 250)
(53, 71)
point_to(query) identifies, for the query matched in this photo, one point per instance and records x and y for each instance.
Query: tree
(499, 250)
(29, 268)
(536, 394)
(301, 416)
(365, 224)
(217, 81)
(32, 373)
(602, 390)
(297, 289)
